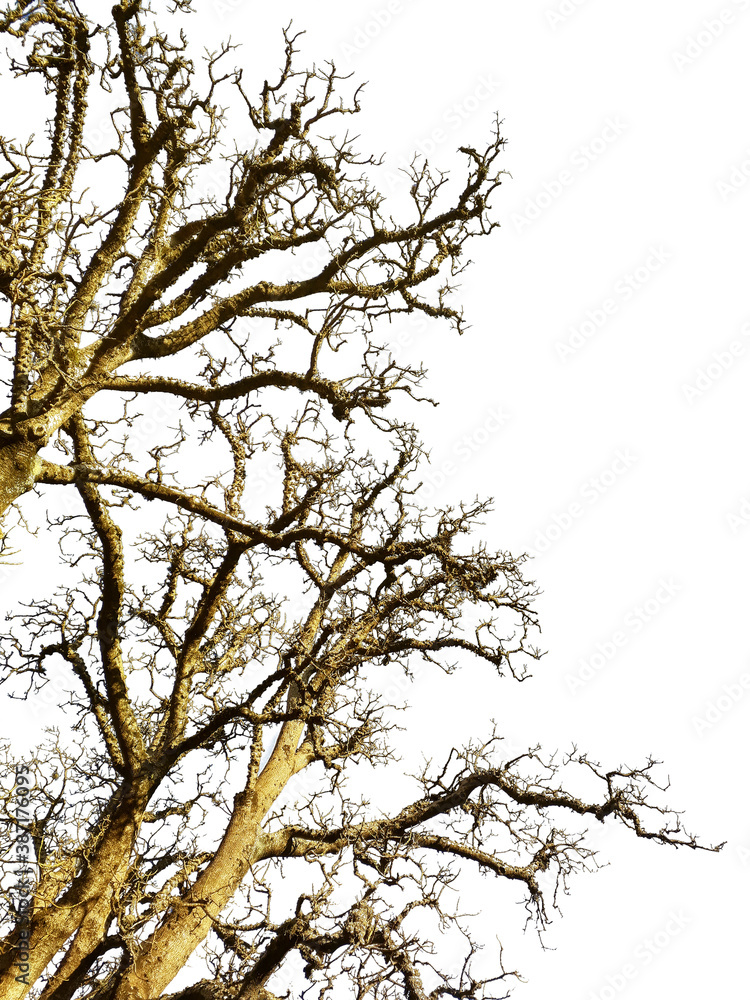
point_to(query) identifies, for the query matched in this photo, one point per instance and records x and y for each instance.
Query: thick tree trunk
(191, 918)
(84, 910)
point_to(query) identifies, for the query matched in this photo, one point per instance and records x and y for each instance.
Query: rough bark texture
(20, 467)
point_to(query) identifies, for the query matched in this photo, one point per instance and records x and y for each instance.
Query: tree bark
(19, 468)
(174, 941)
(85, 909)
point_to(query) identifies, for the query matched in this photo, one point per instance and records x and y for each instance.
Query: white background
(651, 214)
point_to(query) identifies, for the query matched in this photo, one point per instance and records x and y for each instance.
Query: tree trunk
(191, 918)
(85, 909)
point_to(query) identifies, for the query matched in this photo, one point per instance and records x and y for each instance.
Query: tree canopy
(233, 651)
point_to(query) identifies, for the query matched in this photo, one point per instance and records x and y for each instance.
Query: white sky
(623, 462)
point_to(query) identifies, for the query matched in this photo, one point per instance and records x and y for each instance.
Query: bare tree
(200, 809)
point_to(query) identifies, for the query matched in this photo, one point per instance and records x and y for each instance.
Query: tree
(218, 724)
